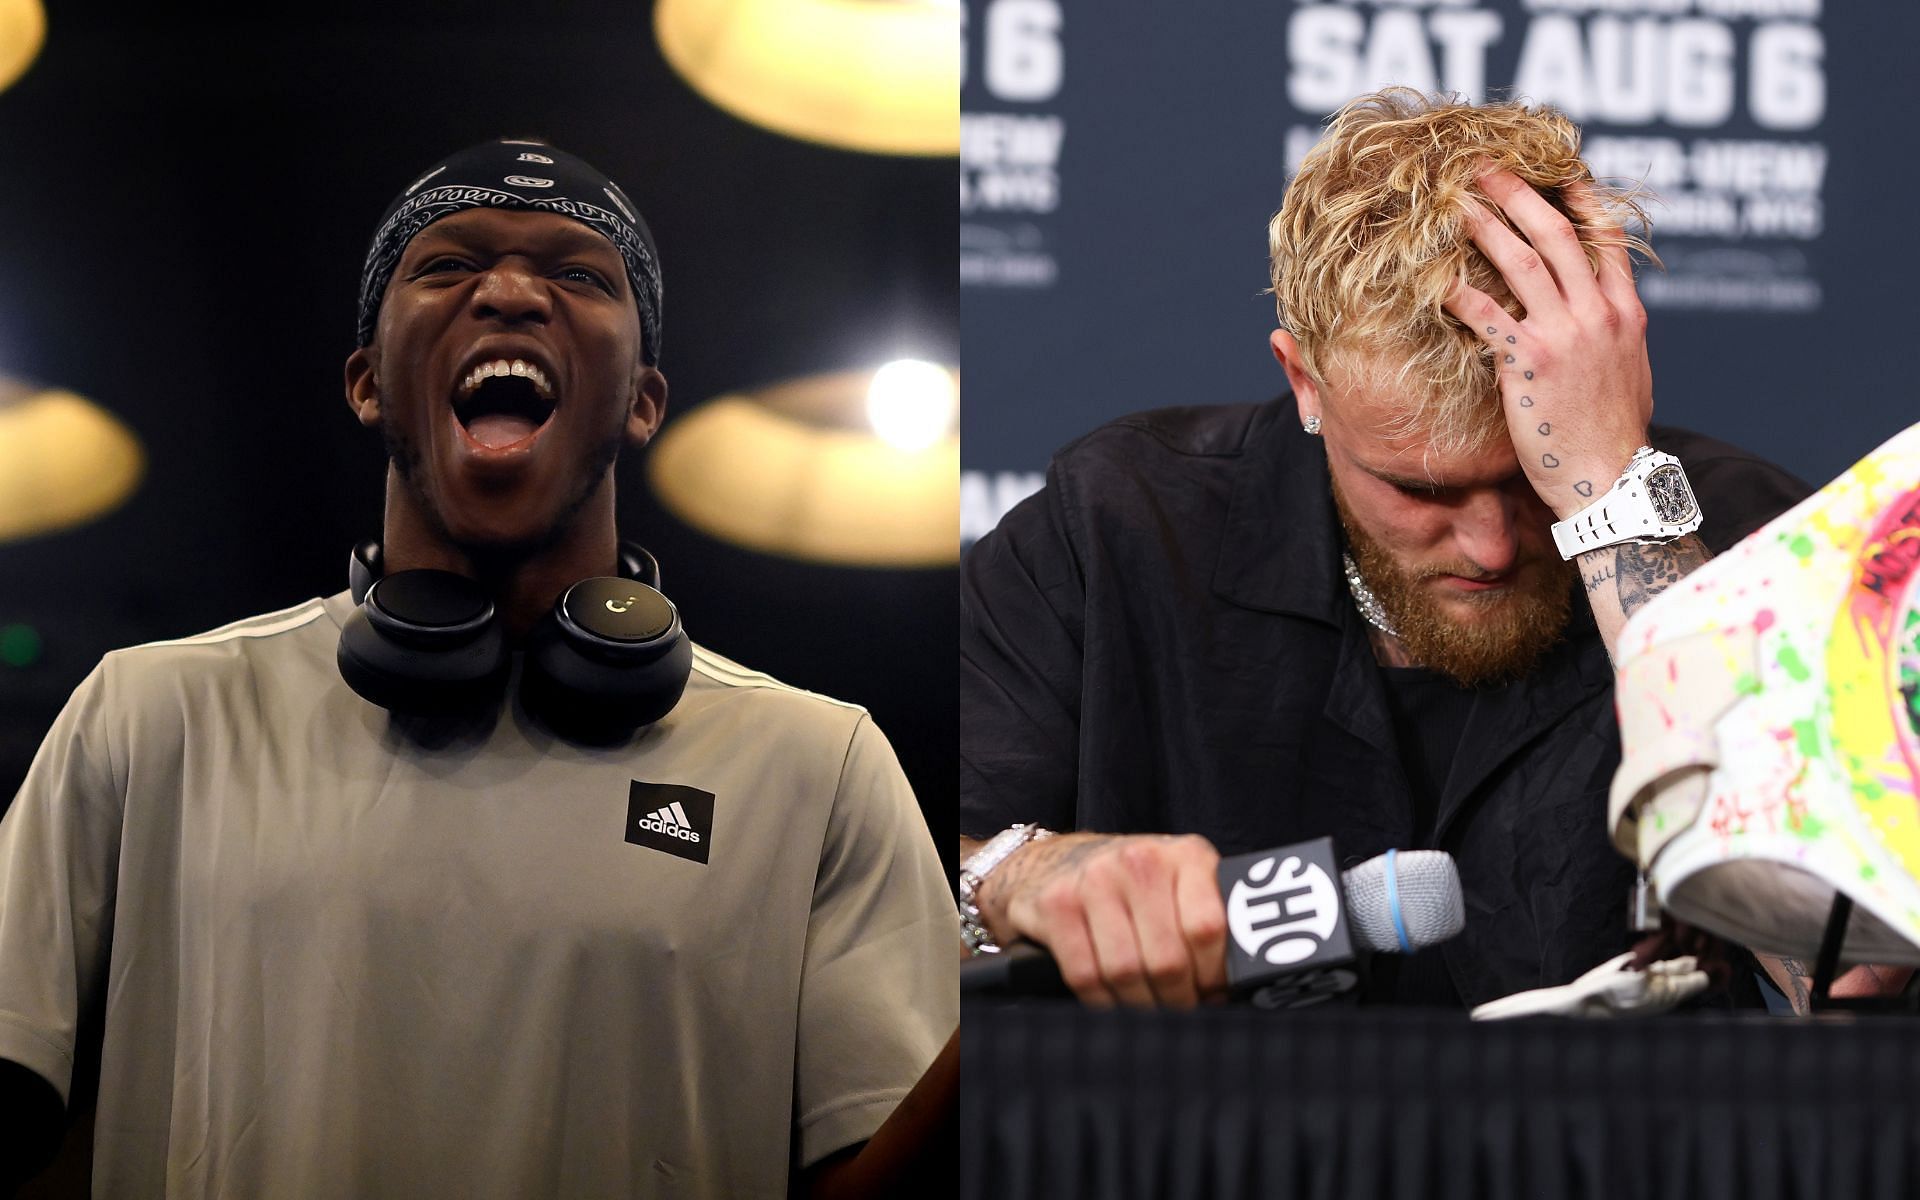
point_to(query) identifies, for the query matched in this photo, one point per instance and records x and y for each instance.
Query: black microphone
(1291, 933)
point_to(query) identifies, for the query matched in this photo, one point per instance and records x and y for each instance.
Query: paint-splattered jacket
(1161, 641)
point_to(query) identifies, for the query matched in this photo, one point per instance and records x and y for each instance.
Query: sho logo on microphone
(1283, 910)
(1285, 915)
(670, 817)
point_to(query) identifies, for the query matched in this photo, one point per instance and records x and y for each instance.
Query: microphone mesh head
(1430, 902)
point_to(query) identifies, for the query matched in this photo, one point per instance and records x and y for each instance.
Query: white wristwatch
(1651, 502)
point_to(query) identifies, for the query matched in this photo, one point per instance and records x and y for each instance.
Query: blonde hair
(1375, 230)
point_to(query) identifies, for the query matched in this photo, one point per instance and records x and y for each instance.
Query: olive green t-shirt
(341, 956)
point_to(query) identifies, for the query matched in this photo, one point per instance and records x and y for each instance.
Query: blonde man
(1379, 609)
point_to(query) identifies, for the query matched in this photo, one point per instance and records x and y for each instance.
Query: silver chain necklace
(1364, 599)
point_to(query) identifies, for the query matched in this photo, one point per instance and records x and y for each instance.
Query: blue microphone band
(1393, 906)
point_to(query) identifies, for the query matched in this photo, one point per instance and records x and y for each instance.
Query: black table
(1337, 1104)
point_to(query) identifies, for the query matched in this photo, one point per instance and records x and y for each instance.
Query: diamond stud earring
(1311, 425)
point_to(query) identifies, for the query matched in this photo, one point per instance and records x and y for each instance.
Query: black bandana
(527, 175)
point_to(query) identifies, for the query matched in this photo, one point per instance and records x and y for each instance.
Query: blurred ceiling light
(23, 27)
(881, 76)
(912, 403)
(63, 461)
(795, 469)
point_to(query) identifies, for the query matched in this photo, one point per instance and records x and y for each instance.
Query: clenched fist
(1131, 919)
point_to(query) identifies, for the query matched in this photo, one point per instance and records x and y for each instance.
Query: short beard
(405, 459)
(1518, 626)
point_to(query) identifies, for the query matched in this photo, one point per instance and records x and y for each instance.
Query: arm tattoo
(1035, 862)
(1797, 975)
(1643, 572)
(1068, 859)
(1597, 579)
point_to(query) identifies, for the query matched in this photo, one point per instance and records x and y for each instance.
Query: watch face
(1672, 499)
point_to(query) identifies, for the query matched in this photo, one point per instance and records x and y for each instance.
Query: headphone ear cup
(364, 568)
(425, 643)
(611, 657)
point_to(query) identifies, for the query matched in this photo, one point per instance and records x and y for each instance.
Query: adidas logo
(672, 818)
(672, 821)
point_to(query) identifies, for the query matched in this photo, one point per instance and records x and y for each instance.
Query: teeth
(501, 366)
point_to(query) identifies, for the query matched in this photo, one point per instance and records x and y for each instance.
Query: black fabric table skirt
(1236, 1103)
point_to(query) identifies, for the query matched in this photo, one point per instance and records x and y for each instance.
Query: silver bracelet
(974, 872)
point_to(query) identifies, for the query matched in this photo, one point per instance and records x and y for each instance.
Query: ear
(1306, 390)
(363, 387)
(647, 405)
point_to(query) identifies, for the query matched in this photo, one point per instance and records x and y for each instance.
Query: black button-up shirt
(1161, 640)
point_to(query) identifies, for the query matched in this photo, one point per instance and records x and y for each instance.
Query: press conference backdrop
(1120, 160)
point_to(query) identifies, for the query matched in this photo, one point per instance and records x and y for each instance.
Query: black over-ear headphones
(609, 658)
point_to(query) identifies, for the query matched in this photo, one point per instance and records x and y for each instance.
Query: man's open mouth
(503, 402)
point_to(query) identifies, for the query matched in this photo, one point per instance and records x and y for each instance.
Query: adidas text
(658, 826)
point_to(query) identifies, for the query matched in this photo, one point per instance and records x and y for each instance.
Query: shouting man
(1379, 609)
(478, 879)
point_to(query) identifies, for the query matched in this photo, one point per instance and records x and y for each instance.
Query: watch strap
(1651, 502)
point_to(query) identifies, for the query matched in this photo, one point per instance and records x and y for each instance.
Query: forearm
(1620, 580)
(1794, 978)
(913, 1153)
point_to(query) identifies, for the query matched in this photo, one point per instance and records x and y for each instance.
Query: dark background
(185, 202)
